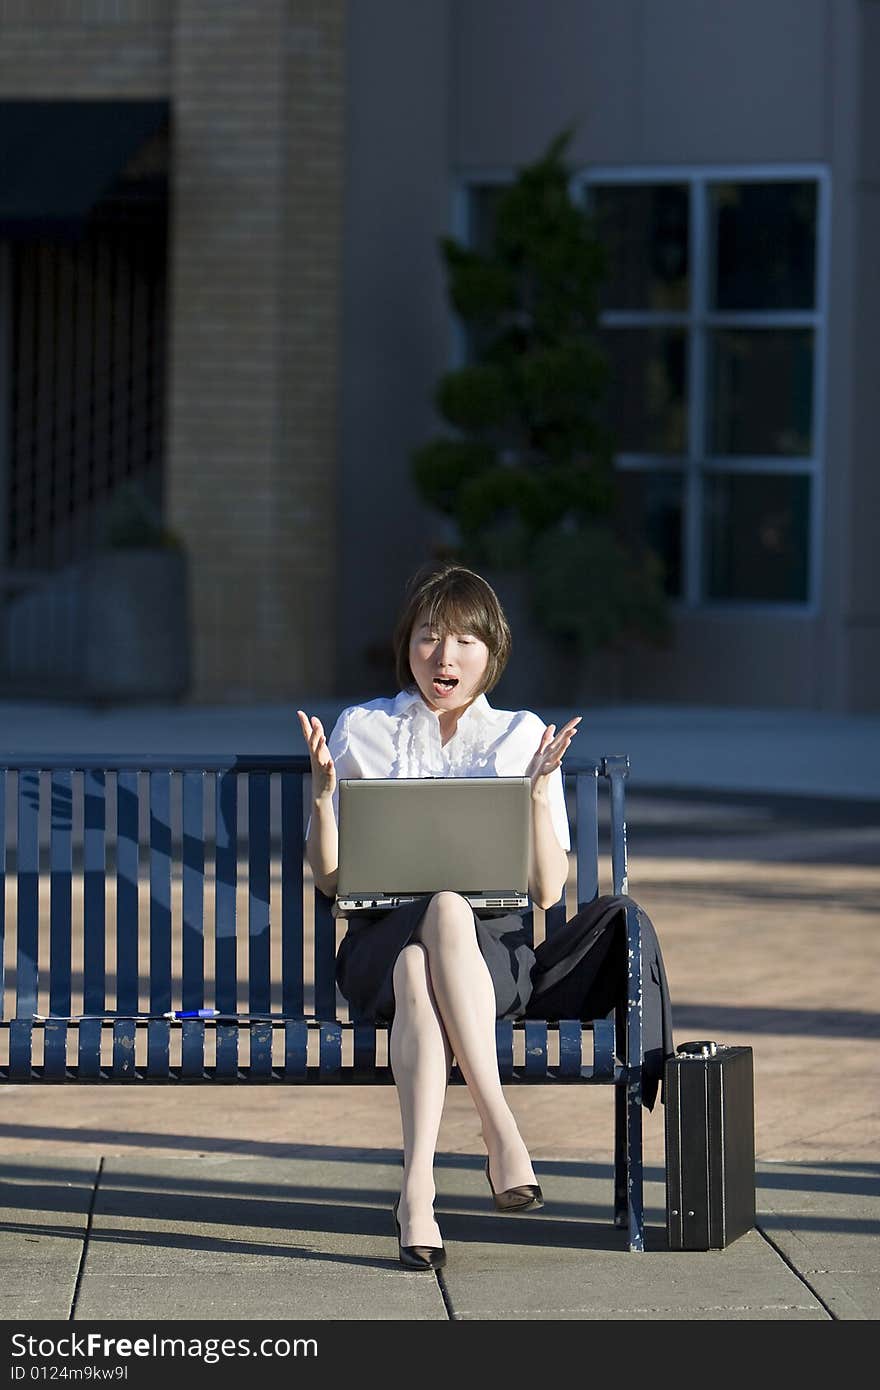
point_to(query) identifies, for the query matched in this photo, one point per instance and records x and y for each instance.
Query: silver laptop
(402, 837)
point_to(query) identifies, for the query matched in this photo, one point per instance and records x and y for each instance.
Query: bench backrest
(138, 886)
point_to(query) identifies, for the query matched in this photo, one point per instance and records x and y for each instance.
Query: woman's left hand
(549, 753)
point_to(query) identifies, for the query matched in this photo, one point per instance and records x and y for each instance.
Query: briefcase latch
(697, 1049)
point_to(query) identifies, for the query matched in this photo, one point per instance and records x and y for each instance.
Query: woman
(436, 969)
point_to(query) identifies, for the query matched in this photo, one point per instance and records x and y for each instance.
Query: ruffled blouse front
(401, 738)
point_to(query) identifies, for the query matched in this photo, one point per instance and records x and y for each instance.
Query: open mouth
(443, 684)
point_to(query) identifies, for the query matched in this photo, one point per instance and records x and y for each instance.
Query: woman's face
(461, 656)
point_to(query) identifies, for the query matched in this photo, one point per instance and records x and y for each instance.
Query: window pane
(646, 389)
(761, 391)
(482, 216)
(764, 235)
(650, 513)
(482, 212)
(644, 229)
(756, 535)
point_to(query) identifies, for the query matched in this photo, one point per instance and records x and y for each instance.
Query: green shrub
(528, 476)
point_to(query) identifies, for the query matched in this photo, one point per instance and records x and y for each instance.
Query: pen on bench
(117, 1016)
(192, 1013)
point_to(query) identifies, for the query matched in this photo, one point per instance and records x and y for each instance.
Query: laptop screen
(425, 834)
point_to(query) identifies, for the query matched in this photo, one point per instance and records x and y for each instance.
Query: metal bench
(162, 883)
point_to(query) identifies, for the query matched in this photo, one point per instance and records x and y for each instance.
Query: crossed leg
(445, 1004)
(420, 1060)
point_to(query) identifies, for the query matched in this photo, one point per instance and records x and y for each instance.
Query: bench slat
(330, 1045)
(89, 1049)
(603, 1049)
(226, 882)
(261, 1051)
(193, 894)
(94, 901)
(227, 1050)
(192, 1047)
(296, 1049)
(127, 892)
(571, 1048)
(123, 1049)
(54, 1050)
(587, 840)
(325, 963)
(554, 917)
(60, 876)
(364, 1047)
(158, 1048)
(504, 1047)
(259, 986)
(192, 985)
(292, 1002)
(536, 1047)
(27, 926)
(2, 883)
(20, 1048)
(160, 891)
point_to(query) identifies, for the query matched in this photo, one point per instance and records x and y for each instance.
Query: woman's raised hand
(548, 754)
(323, 770)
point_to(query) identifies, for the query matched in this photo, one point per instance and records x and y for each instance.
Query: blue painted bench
(141, 887)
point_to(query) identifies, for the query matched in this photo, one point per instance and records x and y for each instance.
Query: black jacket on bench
(580, 972)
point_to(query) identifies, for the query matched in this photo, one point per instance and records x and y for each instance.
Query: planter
(135, 615)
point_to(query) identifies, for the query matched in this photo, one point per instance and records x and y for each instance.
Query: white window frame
(698, 321)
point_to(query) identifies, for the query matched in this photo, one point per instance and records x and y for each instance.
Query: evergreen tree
(528, 474)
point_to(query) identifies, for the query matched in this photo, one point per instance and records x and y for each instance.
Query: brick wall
(85, 48)
(307, 563)
(256, 208)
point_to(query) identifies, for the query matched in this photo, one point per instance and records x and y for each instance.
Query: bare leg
(466, 1001)
(420, 1060)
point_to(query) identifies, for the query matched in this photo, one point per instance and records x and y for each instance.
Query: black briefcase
(709, 1096)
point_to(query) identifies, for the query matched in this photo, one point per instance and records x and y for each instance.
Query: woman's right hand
(323, 770)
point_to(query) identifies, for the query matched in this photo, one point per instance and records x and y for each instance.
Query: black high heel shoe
(418, 1256)
(527, 1197)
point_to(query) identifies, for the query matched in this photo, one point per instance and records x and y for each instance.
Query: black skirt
(368, 952)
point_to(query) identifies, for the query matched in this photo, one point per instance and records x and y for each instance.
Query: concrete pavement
(273, 1203)
(150, 1237)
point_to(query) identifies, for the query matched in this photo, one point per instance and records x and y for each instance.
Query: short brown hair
(455, 600)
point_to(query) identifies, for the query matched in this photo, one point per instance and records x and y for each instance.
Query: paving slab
(825, 1220)
(552, 1281)
(568, 1262)
(44, 1211)
(271, 1240)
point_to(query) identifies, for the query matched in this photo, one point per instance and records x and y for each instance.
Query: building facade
(314, 155)
(732, 151)
(247, 380)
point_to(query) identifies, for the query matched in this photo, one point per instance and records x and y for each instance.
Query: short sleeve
(338, 746)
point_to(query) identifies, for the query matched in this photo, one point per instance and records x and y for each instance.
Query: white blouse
(401, 738)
